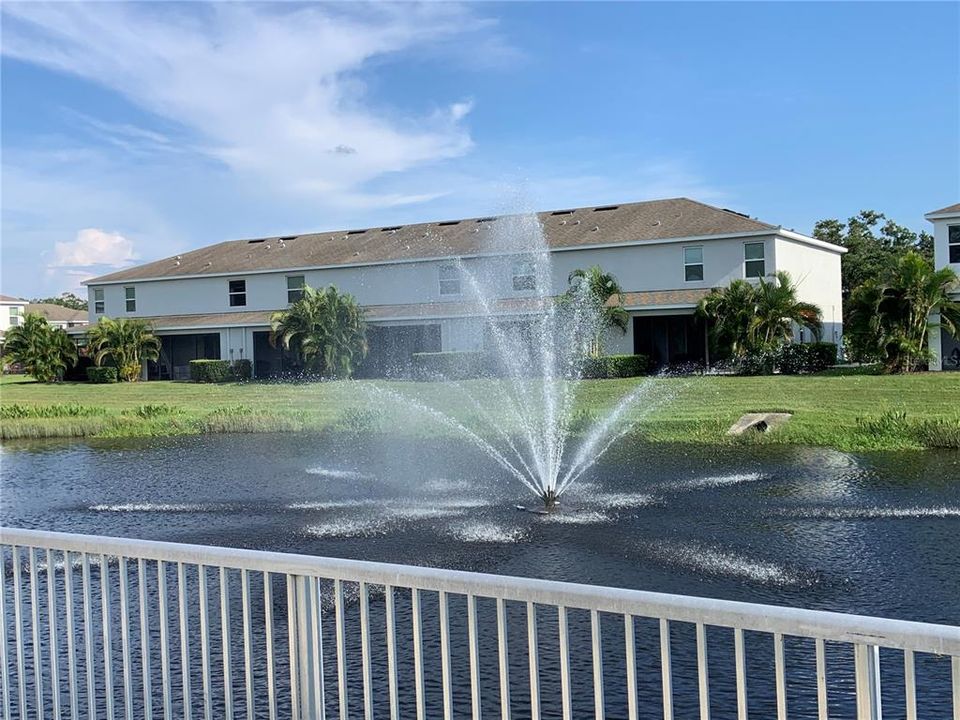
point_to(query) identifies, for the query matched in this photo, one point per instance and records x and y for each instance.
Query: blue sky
(133, 132)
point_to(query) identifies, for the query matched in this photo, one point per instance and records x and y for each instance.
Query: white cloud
(273, 91)
(91, 248)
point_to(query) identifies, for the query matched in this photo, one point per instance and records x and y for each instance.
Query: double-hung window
(295, 285)
(237, 291)
(524, 276)
(693, 263)
(449, 279)
(14, 316)
(754, 264)
(98, 301)
(953, 244)
(130, 296)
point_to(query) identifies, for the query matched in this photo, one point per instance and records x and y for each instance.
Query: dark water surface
(875, 534)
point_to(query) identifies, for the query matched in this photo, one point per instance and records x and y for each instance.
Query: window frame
(296, 289)
(457, 278)
(687, 264)
(15, 315)
(953, 245)
(237, 298)
(99, 306)
(130, 296)
(531, 274)
(762, 259)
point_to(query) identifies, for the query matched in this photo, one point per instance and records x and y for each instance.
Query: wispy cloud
(272, 91)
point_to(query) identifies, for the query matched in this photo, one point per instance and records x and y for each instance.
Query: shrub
(242, 369)
(939, 433)
(210, 371)
(448, 365)
(797, 358)
(101, 374)
(614, 366)
(358, 421)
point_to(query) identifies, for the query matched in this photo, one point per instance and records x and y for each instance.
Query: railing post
(305, 635)
(867, 670)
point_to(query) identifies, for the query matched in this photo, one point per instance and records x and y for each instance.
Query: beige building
(216, 302)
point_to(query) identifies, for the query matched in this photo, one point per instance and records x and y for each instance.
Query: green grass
(849, 412)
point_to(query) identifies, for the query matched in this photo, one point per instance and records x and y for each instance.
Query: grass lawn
(857, 412)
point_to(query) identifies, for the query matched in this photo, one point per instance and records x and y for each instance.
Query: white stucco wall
(940, 241)
(816, 273)
(5, 306)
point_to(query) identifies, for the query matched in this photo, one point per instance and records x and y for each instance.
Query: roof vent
(476, 230)
(254, 242)
(486, 219)
(391, 229)
(562, 212)
(179, 257)
(177, 263)
(605, 208)
(356, 232)
(563, 222)
(289, 237)
(595, 228)
(734, 212)
(449, 222)
(356, 253)
(577, 221)
(657, 223)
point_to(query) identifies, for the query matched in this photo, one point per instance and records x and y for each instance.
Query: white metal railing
(106, 627)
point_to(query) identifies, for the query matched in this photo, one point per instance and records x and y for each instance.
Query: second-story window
(295, 285)
(693, 263)
(130, 295)
(953, 244)
(98, 301)
(754, 264)
(238, 293)
(524, 276)
(449, 280)
(14, 315)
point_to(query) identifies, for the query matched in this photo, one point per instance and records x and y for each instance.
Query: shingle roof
(10, 298)
(653, 220)
(376, 313)
(955, 208)
(56, 312)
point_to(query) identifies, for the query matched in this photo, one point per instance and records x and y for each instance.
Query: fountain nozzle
(550, 499)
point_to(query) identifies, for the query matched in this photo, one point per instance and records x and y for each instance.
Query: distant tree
(44, 351)
(326, 328)
(746, 318)
(127, 342)
(888, 317)
(604, 296)
(67, 300)
(872, 247)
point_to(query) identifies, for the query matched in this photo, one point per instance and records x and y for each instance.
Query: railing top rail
(903, 634)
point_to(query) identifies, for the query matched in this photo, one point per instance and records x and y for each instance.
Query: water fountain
(539, 362)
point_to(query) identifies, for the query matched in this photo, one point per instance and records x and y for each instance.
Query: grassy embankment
(858, 412)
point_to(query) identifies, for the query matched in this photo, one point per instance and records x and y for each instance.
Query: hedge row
(790, 359)
(214, 371)
(448, 365)
(614, 366)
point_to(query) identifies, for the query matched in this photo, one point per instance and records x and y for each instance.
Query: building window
(524, 276)
(449, 280)
(238, 293)
(953, 244)
(14, 315)
(130, 294)
(295, 285)
(98, 301)
(754, 265)
(693, 264)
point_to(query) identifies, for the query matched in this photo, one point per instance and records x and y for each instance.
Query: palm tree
(747, 318)
(127, 342)
(44, 351)
(326, 328)
(778, 310)
(604, 296)
(889, 318)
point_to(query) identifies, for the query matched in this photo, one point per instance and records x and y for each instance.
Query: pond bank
(845, 413)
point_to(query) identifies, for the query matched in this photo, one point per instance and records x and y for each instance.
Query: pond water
(875, 534)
